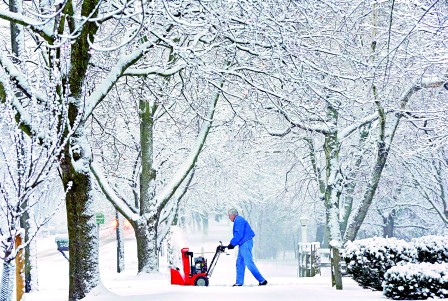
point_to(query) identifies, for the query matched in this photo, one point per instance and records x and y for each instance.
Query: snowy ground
(282, 276)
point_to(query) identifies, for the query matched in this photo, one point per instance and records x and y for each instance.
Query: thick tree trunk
(82, 232)
(75, 165)
(146, 230)
(147, 252)
(336, 275)
(82, 228)
(148, 175)
(333, 188)
(332, 194)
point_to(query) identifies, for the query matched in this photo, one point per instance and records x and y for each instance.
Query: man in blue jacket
(242, 237)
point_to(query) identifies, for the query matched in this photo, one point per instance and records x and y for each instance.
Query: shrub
(433, 249)
(369, 259)
(416, 281)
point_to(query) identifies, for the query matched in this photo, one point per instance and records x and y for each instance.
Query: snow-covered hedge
(433, 249)
(416, 281)
(369, 259)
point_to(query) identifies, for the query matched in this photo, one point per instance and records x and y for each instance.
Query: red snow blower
(195, 272)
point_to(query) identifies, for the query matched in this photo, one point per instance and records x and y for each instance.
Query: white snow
(282, 275)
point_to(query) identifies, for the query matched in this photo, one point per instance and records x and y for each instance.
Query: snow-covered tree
(27, 172)
(353, 68)
(151, 210)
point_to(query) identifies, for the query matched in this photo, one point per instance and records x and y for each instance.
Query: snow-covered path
(283, 284)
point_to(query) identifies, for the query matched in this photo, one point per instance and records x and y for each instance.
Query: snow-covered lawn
(281, 275)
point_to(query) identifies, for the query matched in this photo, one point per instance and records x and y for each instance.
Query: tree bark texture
(82, 228)
(7, 286)
(335, 268)
(147, 252)
(120, 243)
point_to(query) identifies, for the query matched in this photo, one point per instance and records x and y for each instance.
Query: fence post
(307, 262)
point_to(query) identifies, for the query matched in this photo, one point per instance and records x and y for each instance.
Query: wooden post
(20, 263)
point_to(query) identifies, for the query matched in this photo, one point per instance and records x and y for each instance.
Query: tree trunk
(361, 212)
(28, 256)
(440, 182)
(322, 188)
(7, 285)
(147, 252)
(389, 224)
(146, 230)
(82, 228)
(332, 194)
(380, 162)
(120, 244)
(336, 275)
(350, 187)
(75, 164)
(148, 175)
(205, 224)
(333, 187)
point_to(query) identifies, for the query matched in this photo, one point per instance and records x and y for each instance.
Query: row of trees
(113, 79)
(345, 95)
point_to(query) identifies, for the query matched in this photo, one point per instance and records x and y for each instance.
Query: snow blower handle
(220, 247)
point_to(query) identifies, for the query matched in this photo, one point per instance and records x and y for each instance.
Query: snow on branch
(240, 42)
(25, 118)
(155, 70)
(164, 196)
(15, 74)
(430, 82)
(36, 26)
(323, 129)
(113, 76)
(353, 127)
(169, 212)
(116, 201)
(177, 20)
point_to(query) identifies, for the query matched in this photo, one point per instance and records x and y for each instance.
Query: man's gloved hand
(221, 248)
(230, 247)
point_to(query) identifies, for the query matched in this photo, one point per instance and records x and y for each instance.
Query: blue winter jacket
(242, 231)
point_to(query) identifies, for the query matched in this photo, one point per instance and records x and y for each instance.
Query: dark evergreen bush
(416, 281)
(433, 249)
(369, 259)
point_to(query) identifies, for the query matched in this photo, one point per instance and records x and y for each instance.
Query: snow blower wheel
(201, 281)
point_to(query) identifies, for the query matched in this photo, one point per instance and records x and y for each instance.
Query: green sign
(99, 218)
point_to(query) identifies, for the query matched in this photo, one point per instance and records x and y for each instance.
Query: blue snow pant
(244, 260)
